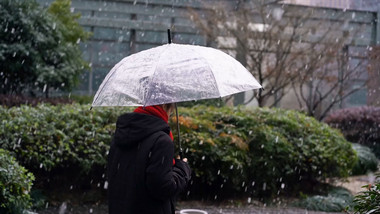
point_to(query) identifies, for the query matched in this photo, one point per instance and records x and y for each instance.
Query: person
(143, 176)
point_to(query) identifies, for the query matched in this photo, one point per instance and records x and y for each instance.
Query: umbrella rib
(105, 82)
(154, 71)
(212, 73)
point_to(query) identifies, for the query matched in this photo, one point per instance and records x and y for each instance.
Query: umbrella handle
(169, 37)
(178, 135)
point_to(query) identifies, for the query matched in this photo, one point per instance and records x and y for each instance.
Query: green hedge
(263, 152)
(336, 200)
(367, 160)
(49, 137)
(15, 185)
(64, 146)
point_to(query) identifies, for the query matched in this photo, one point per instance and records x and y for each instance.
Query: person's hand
(184, 159)
(183, 168)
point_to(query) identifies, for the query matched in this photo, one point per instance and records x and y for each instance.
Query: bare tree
(284, 47)
(259, 36)
(323, 86)
(374, 77)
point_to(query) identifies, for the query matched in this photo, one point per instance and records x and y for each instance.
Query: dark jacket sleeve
(162, 179)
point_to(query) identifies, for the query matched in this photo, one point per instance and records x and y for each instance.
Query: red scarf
(157, 111)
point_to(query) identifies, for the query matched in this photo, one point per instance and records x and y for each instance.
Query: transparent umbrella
(173, 73)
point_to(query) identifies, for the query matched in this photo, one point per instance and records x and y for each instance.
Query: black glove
(182, 168)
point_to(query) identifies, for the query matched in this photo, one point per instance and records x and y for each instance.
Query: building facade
(362, 5)
(123, 27)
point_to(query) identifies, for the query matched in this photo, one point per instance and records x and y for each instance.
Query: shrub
(359, 125)
(209, 102)
(81, 99)
(264, 151)
(18, 100)
(337, 200)
(15, 184)
(217, 152)
(311, 150)
(368, 201)
(56, 136)
(367, 160)
(65, 146)
(261, 152)
(38, 199)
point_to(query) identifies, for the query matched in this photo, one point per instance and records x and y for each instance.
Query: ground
(210, 208)
(353, 184)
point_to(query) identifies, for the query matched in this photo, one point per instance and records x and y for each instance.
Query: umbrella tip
(169, 37)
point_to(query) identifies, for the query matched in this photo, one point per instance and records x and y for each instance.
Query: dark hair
(168, 107)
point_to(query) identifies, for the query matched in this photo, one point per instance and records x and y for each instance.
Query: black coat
(141, 175)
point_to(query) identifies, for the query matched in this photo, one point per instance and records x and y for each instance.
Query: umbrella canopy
(173, 73)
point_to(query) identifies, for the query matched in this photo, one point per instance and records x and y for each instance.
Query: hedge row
(15, 185)
(367, 161)
(359, 125)
(338, 199)
(263, 152)
(47, 137)
(64, 146)
(18, 100)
